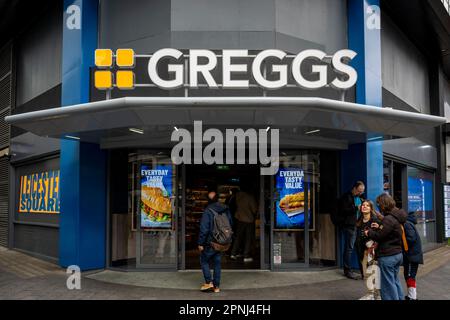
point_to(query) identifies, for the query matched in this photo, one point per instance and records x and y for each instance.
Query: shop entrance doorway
(227, 180)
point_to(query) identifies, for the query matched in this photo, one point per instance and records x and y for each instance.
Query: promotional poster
(420, 197)
(290, 208)
(39, 193)
(156, 194)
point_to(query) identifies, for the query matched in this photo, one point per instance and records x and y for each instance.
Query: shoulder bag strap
(405, 243)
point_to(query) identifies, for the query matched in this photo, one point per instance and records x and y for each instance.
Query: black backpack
(222, 234)
(337, 216)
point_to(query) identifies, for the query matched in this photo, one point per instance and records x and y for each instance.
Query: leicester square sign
(184, 69)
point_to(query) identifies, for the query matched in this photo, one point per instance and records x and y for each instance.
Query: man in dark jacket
(413, 257)
(208, 254)
(246, 211)
(389, 252)
(350, 204)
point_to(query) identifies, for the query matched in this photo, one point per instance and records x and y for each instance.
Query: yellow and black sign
(39, 193)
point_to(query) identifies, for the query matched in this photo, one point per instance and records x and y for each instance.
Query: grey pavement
(24, 277)
(231, 280)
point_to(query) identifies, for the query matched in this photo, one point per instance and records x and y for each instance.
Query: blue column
(82, 236)
(365, 161)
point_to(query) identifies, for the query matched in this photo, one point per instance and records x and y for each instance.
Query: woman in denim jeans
(389, 251)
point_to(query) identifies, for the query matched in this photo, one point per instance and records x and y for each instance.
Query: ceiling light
(73, 137)
(140, 131)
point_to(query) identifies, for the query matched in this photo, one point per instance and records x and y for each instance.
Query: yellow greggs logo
(104, 78)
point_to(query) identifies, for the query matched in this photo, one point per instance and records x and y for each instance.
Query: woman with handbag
(390, 247)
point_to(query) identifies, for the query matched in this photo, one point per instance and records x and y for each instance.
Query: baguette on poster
(155, 205)
(293, 203)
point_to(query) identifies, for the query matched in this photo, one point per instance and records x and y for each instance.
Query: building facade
(86, 172)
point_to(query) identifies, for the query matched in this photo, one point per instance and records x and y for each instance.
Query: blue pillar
(82, 236)
(365, 161)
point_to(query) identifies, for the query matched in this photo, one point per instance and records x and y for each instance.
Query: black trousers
(409, 269)
(244, 240)
(360, 250)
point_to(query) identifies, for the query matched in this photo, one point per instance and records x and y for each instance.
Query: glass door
(155, 211)
(421, 204)
(293, 211)
(232, 182)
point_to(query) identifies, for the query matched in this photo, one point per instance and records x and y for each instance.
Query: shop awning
(95, 120)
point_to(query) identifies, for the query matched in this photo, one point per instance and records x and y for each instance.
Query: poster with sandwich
(156, 205)
(290, 206)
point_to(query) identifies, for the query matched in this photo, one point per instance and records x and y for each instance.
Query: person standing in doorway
(207, 252)
(350, 206)
(231, 203)
(246, 210)
(389, 251)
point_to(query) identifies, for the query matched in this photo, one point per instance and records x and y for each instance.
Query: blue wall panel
(365, 39)
(364, 161)
(83, 165)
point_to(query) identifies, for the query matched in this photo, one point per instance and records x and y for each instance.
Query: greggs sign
(270, 69)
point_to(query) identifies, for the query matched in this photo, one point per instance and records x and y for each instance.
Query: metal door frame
(306, 253)
(140, 233)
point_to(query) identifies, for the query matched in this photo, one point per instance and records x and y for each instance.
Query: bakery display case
(196, 202)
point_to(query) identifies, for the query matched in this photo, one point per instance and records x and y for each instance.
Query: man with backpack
(215, 237)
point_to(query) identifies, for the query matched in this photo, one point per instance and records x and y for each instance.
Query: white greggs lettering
(347, 74)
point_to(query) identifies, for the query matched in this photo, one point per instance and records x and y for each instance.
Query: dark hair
(385, 202)
(213, 199)
(357, 184)
(373, 213)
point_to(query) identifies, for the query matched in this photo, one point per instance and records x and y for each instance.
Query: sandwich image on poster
(156, 195)
(290, 208)
(293, 204)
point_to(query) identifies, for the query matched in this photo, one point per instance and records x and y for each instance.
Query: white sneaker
(232, 257)
(248, 259)
(368, 296)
